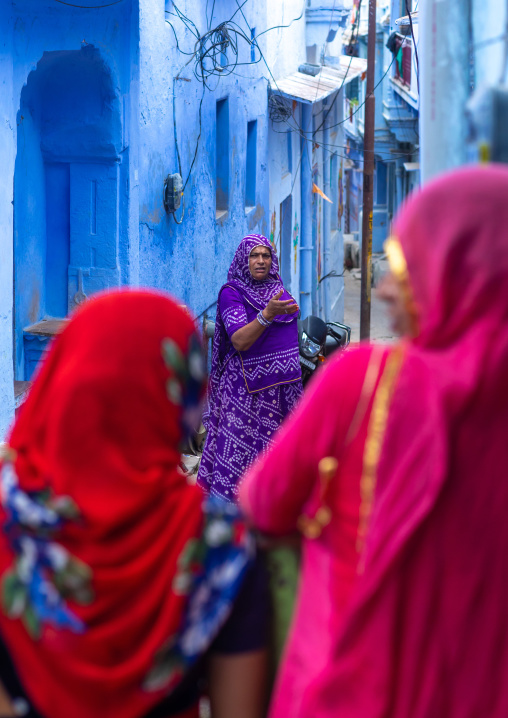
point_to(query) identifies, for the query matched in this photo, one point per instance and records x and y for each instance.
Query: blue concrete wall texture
(97, 107)
(66, 77)
(7, 155)
(224, 199)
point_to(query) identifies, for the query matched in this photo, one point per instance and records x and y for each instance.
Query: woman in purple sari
(255, 378)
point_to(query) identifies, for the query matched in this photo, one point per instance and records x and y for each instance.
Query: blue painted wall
(69, 80)
(65, 187)
(87, 118)
(192, 259)
(7, 155)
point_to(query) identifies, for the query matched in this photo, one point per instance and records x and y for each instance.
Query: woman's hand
(275, 307)
(245, 337)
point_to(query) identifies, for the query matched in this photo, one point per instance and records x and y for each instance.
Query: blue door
(93, 230)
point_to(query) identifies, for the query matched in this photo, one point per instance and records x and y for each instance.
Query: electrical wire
(333, 273)
(209, 23)
(176, 39)
(490, 41)
(347, 119)
(276, 27)
(414, 45)
(179, 160)
(323, 55)
(216, 52)
(212, 47)
(240, 7)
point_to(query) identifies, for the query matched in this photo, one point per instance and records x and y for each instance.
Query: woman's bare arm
(239, 685)
(245, 337)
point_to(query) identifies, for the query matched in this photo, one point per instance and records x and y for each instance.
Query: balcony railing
(404, 77)
(403, 60)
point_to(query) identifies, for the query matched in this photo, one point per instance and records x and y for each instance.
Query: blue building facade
(306, 162)
(94, 104)
(98, 106)
(396, 121)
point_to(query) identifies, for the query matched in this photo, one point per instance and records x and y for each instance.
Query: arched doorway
(66, 195)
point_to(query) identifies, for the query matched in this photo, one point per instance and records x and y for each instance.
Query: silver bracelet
(262, 320)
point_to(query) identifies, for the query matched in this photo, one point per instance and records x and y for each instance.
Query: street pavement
(380, 329)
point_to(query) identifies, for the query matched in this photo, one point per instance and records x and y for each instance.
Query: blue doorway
(66, 196)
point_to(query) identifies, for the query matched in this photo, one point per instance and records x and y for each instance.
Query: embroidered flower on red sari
(44, 573)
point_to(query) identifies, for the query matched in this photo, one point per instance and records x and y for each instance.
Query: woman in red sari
(116, 580)
(402, 609)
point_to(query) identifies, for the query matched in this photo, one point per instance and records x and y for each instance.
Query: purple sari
(250, 392)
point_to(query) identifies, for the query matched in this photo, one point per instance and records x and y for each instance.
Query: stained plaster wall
(191, 260)
(40, 103)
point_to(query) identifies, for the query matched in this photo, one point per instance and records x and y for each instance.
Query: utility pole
(368, 178)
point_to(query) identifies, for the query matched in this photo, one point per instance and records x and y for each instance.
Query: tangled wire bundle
(279, 109)
(216, 51)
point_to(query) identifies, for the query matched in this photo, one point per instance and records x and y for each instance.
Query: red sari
(96, 444)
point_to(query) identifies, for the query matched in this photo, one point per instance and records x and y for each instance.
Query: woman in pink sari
(403, 605)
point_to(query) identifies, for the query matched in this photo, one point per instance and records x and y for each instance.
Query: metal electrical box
(173, 188)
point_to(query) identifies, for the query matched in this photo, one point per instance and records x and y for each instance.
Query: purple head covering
(257, 293)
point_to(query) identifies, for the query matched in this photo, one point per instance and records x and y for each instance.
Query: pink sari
(426, 631)
(282, 487)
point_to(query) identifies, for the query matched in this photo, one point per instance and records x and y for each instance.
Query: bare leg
(238, 684)
(5, 703)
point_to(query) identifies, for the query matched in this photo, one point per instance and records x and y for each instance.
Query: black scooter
(317, 341)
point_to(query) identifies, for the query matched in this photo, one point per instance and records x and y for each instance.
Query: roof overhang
(309, 89)
(406, 20)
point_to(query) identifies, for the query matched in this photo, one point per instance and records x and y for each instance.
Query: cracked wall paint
(296, 230)
(273, 227)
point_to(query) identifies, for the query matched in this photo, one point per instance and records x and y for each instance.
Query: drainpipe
(306, 213)
(444, 85)
(327, 239)
(398, 185)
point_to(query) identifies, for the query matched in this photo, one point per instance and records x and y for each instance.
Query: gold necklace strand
(374, 442)
(312, 527)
